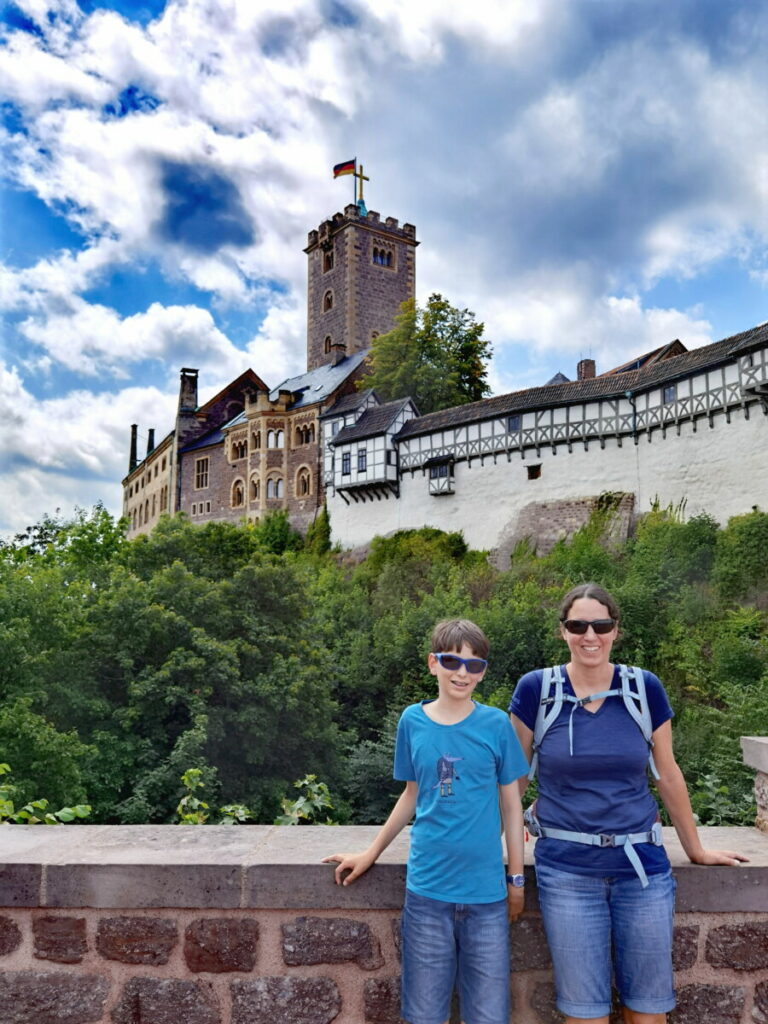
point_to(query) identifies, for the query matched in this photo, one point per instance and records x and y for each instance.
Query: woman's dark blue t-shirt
(602, 786)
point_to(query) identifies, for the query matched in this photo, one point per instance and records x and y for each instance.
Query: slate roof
(374, 421)
(668, 351)
(214, 437)
(348, 403)
(318, 384)
(616, 384)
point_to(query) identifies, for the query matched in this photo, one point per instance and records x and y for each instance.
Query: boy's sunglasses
(452, 663)
(580, 626)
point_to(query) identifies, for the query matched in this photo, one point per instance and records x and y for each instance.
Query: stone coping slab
(755, 752)
(252, 866)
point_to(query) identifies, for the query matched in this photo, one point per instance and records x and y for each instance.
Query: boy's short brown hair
(452, 634)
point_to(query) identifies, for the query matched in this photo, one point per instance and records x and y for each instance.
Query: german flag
(348, 167)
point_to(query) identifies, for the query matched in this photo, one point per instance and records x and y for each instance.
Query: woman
(605, 886)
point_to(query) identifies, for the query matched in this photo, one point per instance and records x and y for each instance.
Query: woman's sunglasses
(580, 626)
(452, 663)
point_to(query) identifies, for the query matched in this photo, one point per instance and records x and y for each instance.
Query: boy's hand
(515, 901)
(356, 863)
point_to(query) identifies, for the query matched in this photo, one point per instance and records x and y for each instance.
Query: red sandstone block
(60, 938)
(713, 1004)
(52, 997)
(166, 1001)
(136, 940)
(10, 936)
(742, 947)
(289, 1000)
(220, 944)
(330, 940)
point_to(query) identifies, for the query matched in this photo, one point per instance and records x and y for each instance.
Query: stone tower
(360, 269)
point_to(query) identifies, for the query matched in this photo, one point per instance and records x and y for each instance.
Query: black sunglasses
(452, 663)
(580, 626)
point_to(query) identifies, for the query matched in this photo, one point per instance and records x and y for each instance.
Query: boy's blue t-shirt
(456, 851)
(603, 786)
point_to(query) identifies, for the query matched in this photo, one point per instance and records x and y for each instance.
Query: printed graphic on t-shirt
(446, 774)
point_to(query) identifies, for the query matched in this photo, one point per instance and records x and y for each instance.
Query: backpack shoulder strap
(636, 703)
(548, 710)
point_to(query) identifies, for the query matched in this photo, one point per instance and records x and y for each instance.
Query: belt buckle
(606, 840)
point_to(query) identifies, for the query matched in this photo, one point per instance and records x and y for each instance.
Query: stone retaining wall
(243, 925)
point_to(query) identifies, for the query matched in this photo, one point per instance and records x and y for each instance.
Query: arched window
(256, 439)
(388, 261)
(327, 301)
(255, 488)
(303, 483)
(270, 439)
(279, 438)
(141, 515)
(328, 343)
(134, 519)
(278, 488)
(238, 494)
(311, 438)
(154, 505)
(146, 511)
(327, 261)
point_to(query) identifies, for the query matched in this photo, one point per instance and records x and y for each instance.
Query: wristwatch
(518, 881)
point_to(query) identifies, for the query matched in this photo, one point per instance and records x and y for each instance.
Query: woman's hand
(729, 857)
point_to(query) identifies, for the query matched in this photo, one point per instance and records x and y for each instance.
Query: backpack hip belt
(601, 839)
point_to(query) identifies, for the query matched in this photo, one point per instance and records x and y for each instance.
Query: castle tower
(360, 270)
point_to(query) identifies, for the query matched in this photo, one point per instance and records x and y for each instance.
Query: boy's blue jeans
(465, 945)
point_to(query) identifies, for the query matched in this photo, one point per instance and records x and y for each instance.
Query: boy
(460, 761)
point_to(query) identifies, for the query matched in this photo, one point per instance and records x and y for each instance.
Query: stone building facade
(689, 428)
(250, 449)
(359, 271)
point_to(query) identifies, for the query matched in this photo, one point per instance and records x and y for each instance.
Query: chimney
(338, 352)
(188, 391)
(585, 370)
(133, 460)
(150, 440)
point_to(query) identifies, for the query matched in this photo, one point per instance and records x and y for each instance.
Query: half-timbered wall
(702, 439)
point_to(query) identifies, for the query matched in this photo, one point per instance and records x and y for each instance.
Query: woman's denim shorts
(462, 945)
(609, 929)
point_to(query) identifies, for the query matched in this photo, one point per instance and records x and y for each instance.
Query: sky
(589, 177)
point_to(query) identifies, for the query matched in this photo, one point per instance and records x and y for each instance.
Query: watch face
(518, 881)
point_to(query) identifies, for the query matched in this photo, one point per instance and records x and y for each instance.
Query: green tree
(436, 355)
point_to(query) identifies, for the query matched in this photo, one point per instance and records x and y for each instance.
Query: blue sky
(590, 178)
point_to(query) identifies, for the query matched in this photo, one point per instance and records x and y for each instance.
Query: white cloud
(70, 450)
(92, 339)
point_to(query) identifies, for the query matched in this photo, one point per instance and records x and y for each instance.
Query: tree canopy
(437, 355)
(233, 650)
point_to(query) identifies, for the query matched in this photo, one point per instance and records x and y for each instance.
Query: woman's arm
(674, 792)
(512, 820)
(358, 863)
(525, 735)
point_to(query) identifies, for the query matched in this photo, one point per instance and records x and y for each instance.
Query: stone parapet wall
(755, 749)
(243, 925)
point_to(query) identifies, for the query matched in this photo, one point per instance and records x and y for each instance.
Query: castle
(250, 449)
(671, 426)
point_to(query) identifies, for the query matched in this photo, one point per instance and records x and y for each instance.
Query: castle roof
(614, 384)
(348, 403)
(375, 420)
(319, 384)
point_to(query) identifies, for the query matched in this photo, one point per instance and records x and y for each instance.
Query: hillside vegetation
(245, 653)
